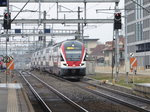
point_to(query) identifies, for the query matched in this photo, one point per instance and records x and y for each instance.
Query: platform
(142, 89)
(13, 98)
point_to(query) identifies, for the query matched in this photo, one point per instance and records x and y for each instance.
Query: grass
(122, 79)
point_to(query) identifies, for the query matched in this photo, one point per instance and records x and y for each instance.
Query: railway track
(127, 100)
(137, 103)
(134, 102)
(69, 106)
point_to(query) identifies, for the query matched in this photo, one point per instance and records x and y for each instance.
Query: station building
(138, 31)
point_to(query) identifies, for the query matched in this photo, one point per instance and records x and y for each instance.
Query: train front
(73, 64)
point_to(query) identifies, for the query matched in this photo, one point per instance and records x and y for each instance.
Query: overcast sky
(104, 32)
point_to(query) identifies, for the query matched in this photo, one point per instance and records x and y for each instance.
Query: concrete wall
(90, 69)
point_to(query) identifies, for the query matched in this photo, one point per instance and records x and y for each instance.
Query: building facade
(138, 31)
(109, 52)
(104, 53)
(89, 44)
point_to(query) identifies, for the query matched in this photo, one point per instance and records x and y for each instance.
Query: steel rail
(81, 109)
(128, 104)
(121, 93)
(36, 94)
(132, 106)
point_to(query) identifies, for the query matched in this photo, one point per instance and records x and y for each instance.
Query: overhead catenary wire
(20, 11)
(119, 9)
(140, 6)
(26, 10)
(50, 7)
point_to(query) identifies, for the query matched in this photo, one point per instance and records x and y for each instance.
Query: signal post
(117, 26)
(133, 65)
(6, 25)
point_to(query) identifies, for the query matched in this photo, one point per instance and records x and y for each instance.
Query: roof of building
(90, 39)
(109, 45)
(98, 50)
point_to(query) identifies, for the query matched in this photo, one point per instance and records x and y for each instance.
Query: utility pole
(7, 37)
(113, 55)
(57, 10)
(82, 32)
(39, 12)
(117, 55)
(85, 13)
(78, 23)
(126, 53)
(44, 27)
(22, 30)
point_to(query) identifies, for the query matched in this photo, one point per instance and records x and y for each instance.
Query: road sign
(133, 62)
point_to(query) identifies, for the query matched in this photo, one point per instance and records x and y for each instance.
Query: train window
(73, 45)
(47, 50)
(47, 64)
(49, 57)
(73, 55)
(44, 58)
(73, 51)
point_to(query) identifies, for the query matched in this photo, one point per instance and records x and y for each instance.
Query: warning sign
(133, 62)
(10, 65)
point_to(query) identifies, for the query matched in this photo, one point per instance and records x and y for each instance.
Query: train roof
(55, 45)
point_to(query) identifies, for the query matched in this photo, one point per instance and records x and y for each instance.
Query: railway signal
(7, 21)
(117, 21)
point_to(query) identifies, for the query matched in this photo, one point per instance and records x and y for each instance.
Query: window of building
(143, 47)
(138, 9)
(44, 58)
(47, 50)
(139, 25)
(47, 63)
(41, 52)
(139, 31)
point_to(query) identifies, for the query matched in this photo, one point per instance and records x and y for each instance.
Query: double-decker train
(66, 59)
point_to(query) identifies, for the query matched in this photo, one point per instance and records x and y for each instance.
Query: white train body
(66, 59)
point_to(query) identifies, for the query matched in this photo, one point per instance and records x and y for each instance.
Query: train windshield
(73, 51)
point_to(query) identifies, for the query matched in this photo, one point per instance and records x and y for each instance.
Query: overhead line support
(60, 21)
(66, 1)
